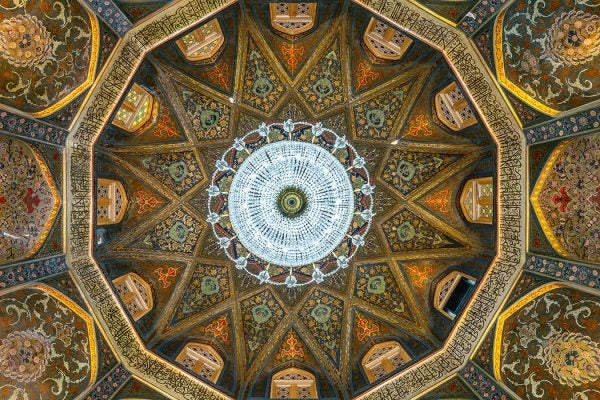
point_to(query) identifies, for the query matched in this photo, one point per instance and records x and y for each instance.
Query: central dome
(291, 203)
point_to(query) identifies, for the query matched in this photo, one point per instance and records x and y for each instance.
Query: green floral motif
(178, 233)
(262, 88)
(261, 314)
(376, 118)
(322, 314)
(208, 286)
(179, 170)
(323, 87)
(406, 232)
(209, 118)
(377, 285)
(406, 170)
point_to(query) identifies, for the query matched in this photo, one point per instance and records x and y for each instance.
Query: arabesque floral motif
(24, 40)
(573, 358)
(547, 344)
(48, 53)
(24, 355)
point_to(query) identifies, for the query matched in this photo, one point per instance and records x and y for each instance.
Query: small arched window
(204, 43)
(384, 358)
(135, 294)
(293, 18)
(384, 42)
(452, 108)
(477, 200)
(201, 359)
(135, 111)
(111, 202)
(294, 383)
(452, 292)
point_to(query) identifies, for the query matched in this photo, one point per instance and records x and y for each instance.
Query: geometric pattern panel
(406, 170)
(566, 198)
(208, 118)
(323, 88)
(376, 118)
(29, 200)
(376, 284)
(208, 286)
(405, 231)
(178, 233)
(322, 314)
(48, 345)
(261, 315)
(262, 88)
(179, 171)
(546, 344)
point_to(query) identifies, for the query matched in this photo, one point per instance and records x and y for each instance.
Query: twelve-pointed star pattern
(418, 234)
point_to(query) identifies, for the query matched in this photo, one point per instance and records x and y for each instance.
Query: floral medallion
(574, 38)
(573, 358)
(546, 344)
(24, 41)
(24, 355)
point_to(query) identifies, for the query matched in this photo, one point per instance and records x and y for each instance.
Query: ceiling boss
(290, 203)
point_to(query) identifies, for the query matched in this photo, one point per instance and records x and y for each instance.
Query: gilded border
(55, 195)
(90, 75)
(535, 200)
(508, 313)
(499, 61)
(89, 322)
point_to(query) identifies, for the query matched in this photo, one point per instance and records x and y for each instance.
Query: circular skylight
(290, 203)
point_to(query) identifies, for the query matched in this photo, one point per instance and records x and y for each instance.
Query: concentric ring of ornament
(234, 220)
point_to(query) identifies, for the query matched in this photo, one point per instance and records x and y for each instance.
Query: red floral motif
(439, 201)
(364, 74)
(419, 277)
(219, 75)
(292, 55)
(292, 352)
(145, 199)
(366, 328)
(595, 199)
(563, 199)
(164, 277)
(31, 200)
(420, 126)
(218, 328)
(165, 127)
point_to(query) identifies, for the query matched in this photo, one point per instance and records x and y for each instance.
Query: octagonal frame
(480, 87)
(91, 73)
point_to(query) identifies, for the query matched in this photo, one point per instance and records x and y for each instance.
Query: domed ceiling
(366, 199)
(417, 164)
